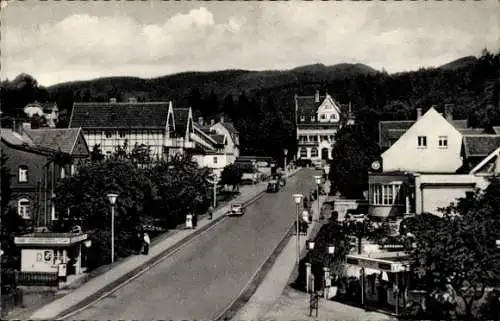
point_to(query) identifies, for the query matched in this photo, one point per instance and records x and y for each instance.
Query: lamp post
(298, 199)
(317, 178)
(87, 244)
(285, 152)
(214, 179)
(112, 200)
(309, 274)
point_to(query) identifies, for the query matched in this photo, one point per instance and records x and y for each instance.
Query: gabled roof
(63, 139)
(491, 167)
(480, 145)
(391, 130)
(307, 107)
(181, 116)
(219, 139)
(496, 129)
(13, 138)
(119, 115)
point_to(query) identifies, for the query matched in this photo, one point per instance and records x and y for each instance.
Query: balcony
(178, 143)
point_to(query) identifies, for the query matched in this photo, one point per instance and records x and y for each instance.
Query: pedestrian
(147, 241)
(210, 212)
(195, 220)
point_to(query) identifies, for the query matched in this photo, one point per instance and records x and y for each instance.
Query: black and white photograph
(250, 160)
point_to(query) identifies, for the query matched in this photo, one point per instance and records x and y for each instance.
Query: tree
(352, 154)
(231, 175)
(181, 186)
(460, 249)
(96, 153)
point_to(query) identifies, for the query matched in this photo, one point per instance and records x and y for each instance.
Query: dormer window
(23, 174)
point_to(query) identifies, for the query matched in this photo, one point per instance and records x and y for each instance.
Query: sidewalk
(271, 288)
(131, 266)
(275, 300)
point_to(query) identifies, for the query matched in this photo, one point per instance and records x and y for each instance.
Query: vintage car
(236, 210)
(273, 186)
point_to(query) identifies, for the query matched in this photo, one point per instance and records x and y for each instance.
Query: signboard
(62, 270)
(375, 264)
(50, 240)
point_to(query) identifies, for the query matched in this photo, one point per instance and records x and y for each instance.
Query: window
(386, 194)
(314, 152)
(443, 141)
(313, 118)
(23, 174)
(324, 138)
(333, 117)
(303, 152)
(422, 141)
(323, 116)
(63, 172)
(122, 134)
(109, 134)
(23, 208)
(58, 256)
(302, 138)
(73, 170)
(302, 118)
(313, 138)
(215, 159)
(332, 137)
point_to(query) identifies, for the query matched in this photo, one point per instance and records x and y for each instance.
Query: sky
(58, 41)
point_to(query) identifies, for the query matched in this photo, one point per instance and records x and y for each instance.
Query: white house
(218, 142)
(425, 168)
(49, 111)
(318, 118)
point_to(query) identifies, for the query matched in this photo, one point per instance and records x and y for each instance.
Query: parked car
(273, 186)
(236, 209)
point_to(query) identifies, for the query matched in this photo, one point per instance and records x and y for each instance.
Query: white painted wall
(230, 147)
(405, 155)
(29, 261)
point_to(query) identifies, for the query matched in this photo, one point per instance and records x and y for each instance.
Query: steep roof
(119, 115)
(219, 139)
(181, 116)
(496, 129)
(480, 145)
(63, 139)
(13, 138)
(307, 107)
(391, 130)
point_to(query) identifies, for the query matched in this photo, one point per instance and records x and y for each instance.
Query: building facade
(318, 118)
(37, 159)
(424, 168)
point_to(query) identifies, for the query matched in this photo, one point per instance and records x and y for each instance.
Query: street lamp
(298, 199)
(214, 179)
(317, 178)
(331, 249)
(497, 242)
(87, 244)
(285, 152)
(112, 200)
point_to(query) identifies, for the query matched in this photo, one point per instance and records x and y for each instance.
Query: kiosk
(49, 257)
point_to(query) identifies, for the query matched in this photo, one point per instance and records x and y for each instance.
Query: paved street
(202, 279)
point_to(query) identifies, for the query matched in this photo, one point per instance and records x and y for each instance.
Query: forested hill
(227, 82)
(261, 103)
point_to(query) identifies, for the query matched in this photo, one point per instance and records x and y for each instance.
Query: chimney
(221, 119)
(112, 100)
(200, 121)
(212, 122)
(448, 112)
(419, 113)
(316, 96)
(132, 100)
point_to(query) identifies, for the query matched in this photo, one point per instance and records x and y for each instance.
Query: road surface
(202, 279)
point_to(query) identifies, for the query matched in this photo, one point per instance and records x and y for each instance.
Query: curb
(147, 265)
(121, 281)
(248, 291)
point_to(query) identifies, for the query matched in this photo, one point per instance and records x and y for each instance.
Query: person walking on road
(147, 241)
(210, 212)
